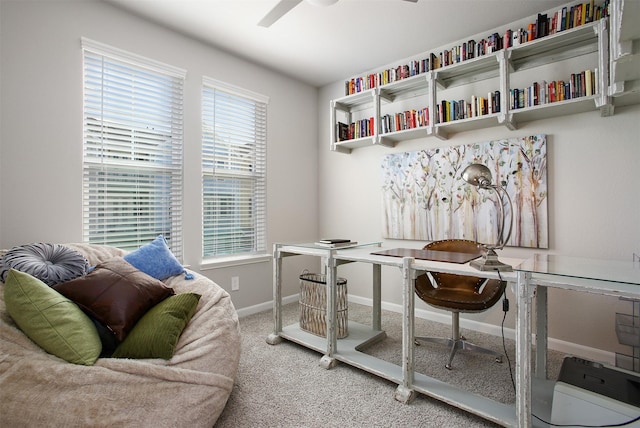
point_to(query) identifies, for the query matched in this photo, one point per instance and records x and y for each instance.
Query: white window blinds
(133, 127)
(234, 140)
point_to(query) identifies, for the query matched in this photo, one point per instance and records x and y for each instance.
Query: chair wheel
(499, 360)
(417, 343)
(448, 366)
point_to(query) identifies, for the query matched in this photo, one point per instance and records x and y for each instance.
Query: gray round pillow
(50, 263)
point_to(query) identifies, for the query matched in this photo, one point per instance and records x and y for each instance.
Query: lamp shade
(477, 175)
(480, 176)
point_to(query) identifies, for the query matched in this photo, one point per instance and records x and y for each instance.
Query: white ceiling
(324, 44)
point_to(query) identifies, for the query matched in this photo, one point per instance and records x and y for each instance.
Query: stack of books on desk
(335, 243)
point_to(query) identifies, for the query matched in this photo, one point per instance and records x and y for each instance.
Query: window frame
(213, 168)
(154, 146)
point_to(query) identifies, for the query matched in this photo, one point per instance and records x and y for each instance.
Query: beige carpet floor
(283, 385)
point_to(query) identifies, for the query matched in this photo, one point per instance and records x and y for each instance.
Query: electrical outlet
(235, 283)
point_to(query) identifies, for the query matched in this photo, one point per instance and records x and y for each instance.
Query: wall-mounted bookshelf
(496, 60)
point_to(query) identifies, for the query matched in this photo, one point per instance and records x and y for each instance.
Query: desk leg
(328, 361)
(541, 333)
(274, 338)
(404, 392)
(376, 322)
(523, 349)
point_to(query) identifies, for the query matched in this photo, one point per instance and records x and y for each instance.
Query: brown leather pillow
(116, 294)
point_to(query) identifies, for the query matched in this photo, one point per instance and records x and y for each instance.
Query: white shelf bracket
(603, 100)
(504, 64)
(439, 133)
(334, 124)
(507, 120)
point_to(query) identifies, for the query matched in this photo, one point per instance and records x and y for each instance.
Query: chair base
(460, 343)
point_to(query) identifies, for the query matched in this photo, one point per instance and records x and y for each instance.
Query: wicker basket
(313, 305)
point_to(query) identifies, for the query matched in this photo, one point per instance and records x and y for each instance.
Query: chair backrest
(449, 280)
(455, 246)
(458, 292)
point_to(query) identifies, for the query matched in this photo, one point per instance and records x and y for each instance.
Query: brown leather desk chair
(458, 293)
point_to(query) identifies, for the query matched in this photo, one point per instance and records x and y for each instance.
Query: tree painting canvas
(425, 198)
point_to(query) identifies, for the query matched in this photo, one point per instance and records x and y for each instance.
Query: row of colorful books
(358, 129)
(408, 119)
(566, 18)
(450, 110)
(578, 85)
(563, 19)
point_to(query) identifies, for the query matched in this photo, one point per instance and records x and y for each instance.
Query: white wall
(594, 207)
(41, 135)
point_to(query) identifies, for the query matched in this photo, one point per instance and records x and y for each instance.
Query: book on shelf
(335, 243)
(588, 82)
(342, 132)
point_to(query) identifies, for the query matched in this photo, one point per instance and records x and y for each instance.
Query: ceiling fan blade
(278, 12)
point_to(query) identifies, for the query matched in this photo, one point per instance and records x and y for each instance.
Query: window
(132, 161)
(234, 139)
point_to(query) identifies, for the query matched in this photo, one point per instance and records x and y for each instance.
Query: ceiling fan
(285, 6)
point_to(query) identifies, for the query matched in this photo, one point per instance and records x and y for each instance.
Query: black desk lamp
(479, 175)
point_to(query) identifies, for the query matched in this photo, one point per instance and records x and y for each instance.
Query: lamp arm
(502, 192)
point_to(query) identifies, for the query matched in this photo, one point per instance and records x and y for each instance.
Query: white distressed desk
(533, 277)
(348, 350)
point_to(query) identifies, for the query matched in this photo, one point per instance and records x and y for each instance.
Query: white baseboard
(570, 348)
(266, 306)
(587, 352)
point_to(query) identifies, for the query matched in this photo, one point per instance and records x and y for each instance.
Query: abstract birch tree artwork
(425, 198)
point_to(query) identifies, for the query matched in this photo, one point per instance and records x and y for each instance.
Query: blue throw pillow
(156, 260)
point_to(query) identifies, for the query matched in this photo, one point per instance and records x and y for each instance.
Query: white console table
(532, 278)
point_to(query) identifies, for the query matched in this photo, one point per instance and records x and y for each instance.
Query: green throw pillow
(156, 334)
(51, 320)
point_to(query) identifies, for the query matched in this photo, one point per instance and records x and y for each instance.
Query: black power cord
(505, 309)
